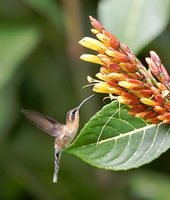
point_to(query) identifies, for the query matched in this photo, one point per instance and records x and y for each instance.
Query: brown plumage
(63, 133)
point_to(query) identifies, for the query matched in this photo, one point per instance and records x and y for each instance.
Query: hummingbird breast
(66, 136)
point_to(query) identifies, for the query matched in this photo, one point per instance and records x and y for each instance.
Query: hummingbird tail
(57, 155)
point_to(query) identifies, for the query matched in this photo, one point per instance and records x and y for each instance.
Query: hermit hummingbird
(63, 133)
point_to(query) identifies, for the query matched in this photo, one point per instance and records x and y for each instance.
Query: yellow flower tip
(106, 60)
(102, 88)
(140, 114)
(95, 31)
(125, 84)
(132, 84)
(117, 55)
(123, 100)
(103, 38)
(118, 76)
(161, 117)
(104, 70)
(159, 109)
(102, 77)
(149, 102)
(92, 43)
(166, 121)
(91, 58)
(110, 53)
(161, 86)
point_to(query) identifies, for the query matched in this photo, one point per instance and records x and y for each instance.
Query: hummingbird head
(73, 115)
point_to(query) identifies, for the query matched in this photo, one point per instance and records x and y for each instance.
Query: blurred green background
(40, 70)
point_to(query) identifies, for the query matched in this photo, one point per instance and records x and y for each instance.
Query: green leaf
(135, 23)
(15, 45)
(127, 142)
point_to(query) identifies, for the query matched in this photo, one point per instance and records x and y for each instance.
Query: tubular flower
(145, 90)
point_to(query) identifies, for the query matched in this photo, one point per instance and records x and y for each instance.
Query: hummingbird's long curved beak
(85, 101)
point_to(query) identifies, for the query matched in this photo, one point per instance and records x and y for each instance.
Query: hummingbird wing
(45, 123)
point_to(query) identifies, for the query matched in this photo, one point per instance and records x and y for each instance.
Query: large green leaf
(127, 142)
(15, 45)
(135, 23)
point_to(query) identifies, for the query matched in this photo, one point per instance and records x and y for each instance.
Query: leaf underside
(126, 142)
(123, 19)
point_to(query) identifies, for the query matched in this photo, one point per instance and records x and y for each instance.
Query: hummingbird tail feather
(57, 155)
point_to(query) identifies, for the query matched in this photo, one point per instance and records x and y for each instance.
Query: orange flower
(145, 91)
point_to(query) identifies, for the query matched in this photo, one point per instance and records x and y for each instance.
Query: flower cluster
(145, 91)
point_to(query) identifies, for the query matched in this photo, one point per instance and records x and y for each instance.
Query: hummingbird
(63, 133)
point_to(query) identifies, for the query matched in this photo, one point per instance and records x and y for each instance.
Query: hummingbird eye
(73, 114)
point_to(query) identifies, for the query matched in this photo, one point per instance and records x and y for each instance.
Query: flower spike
(145, 90)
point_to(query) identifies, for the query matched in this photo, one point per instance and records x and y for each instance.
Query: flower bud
(96, 24)
(91, 58)
(149, 102)
(92, 44)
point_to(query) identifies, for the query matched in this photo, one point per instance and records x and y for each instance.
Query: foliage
(151, 18)
(39, 71)
(127, 142)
